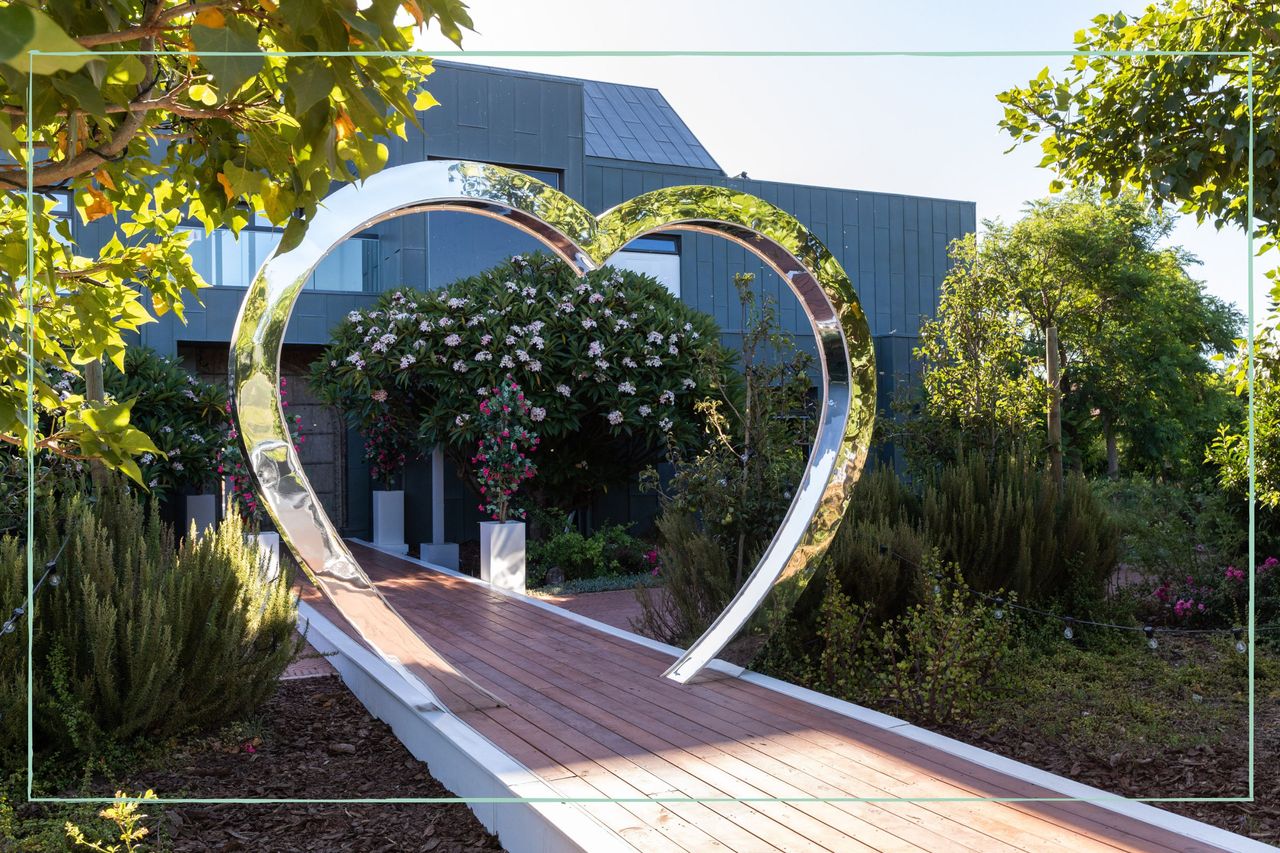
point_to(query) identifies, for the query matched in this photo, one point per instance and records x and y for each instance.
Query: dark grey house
(601, 143)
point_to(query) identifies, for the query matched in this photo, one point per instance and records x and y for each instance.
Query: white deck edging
(1135, 809)
(462, 759)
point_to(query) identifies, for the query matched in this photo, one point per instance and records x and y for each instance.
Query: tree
(978, 383)
(1129, 333)
(155, 130)
(1176, 127)
(611, 363)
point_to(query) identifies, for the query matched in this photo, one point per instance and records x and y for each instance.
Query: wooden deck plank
(989, 838)
(1072, 839)
(577, 689)
(590, 714)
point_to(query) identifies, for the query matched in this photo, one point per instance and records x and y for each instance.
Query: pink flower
(1234, 574)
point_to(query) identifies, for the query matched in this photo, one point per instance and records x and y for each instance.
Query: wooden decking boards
(589, 713)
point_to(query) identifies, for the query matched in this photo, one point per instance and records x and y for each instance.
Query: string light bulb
(1067, 630)
(1238, 634)
(1151, 636)
(999, 611)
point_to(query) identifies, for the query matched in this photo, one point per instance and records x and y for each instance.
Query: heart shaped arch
(585, 242)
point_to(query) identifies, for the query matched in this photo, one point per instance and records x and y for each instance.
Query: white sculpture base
(441, 554)
(388, 521)
(203, 511)
(502, 554)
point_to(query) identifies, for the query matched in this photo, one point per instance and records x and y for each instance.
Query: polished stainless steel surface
(584, 242)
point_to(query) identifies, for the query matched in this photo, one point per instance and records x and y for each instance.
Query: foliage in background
(1105, 121)
(1002, 523)
(610, 551)
(1230, 448)
(978, 385)
(158, 140)
(1169, 529)
(502, 460)
(142, 638)
(933, 663)
(242, 496)
(1133, 339)
(1007, 525)
(612, 365)
(185, 418)
(726, 500)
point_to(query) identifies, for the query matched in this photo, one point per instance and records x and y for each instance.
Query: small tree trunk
(1054, 382)
(95, 392)
(1113, 452)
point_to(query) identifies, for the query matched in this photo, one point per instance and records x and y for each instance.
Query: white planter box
(269, 545)
(388, 521)
(442, 554)
(203, 511)
(502, 554)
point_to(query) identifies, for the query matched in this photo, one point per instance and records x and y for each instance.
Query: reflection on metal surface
(584, 242)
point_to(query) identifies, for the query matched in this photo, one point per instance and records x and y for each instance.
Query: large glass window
(225, 260)
(657, 255)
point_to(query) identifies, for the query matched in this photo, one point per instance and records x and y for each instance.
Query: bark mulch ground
(313, 739)
(1219, 771)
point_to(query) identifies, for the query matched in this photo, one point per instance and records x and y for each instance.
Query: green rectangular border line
(30, 414)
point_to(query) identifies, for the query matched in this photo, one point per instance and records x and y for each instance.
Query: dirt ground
(312, 740)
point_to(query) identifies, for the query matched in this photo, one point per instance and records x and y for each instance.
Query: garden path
(589, 713)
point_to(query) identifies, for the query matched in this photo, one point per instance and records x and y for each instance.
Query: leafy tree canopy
(154, 130)
(1135, 338)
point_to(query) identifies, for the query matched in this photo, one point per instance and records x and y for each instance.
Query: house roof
(636, 123)
(623, 122)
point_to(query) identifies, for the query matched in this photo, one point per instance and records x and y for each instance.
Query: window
(658, 244)
(657, 255)
(225, 260)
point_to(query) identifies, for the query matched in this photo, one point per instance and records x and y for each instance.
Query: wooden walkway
(589, 713)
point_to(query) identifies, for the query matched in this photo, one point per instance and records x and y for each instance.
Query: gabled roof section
(636, 123)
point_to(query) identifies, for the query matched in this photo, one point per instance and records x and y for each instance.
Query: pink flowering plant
(242, 497)
(1217, 596)
(503, 459)
(385, 451)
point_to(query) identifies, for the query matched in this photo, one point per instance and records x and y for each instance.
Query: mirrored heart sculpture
(585, 242)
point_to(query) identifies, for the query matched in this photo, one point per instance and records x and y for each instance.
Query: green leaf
(310, 84)
(23, 29)
(81, 90)
(229, 72)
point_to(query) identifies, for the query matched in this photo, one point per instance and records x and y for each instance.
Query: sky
(912, 125)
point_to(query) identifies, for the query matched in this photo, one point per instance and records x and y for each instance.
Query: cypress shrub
(142, 639)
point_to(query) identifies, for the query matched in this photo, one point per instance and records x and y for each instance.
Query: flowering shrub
(611, 365)
(182, 415)
(1216, 597)
(502, 460)
(231, 463)
(385, 455)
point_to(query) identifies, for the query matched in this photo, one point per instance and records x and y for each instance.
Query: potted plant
(386, 458)
(502, 463)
